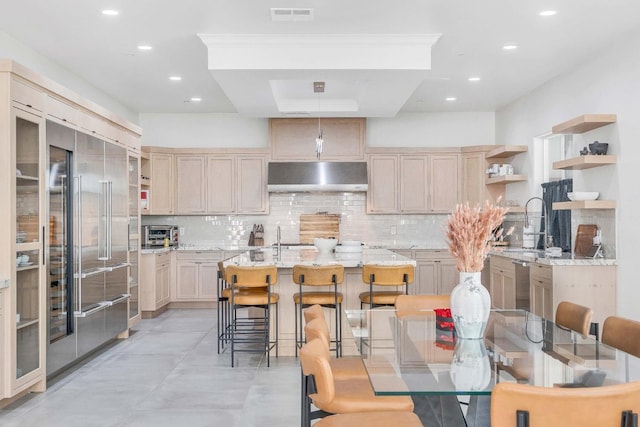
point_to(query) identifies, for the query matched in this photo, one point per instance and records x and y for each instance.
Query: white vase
(470, 305)
(470, 368)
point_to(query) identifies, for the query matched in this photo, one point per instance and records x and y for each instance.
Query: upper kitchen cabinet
(295, 139)
(412, 182)
(162, 184)
(190, 184)
(237, 184)
(202, 182)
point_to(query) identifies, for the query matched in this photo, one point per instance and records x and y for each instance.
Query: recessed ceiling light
(547, 13)
(450, 98)
(510, 46)
(175, 78)
(474, 79)
(195, 99)
(110, 12)
(144, 47)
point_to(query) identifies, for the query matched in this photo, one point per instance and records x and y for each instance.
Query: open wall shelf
(585, 162)
(584, 123)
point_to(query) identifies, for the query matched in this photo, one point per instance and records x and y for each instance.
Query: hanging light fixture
(318, 87)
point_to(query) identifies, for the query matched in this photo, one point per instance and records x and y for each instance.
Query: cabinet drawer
(503, 263)
(27, 96)
(432, 254)
(62, 111)
(163, 258)
(213, 256)
(541, 271)
(92, 124)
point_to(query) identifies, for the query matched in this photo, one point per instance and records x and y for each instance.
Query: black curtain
(559, 221)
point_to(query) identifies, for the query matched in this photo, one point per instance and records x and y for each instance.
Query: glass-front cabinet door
(28, 292)
(134, 238)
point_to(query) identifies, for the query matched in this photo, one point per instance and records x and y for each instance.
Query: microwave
(155, 235)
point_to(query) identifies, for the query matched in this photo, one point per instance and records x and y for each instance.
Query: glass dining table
(417, 354)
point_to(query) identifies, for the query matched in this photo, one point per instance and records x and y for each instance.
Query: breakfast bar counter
(309, 255)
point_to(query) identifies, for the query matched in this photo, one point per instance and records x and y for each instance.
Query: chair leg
(338, 330)
(298, 339)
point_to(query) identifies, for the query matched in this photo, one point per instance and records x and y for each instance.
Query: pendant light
(318, 87)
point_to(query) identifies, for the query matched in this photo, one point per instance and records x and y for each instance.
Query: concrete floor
(168, 373)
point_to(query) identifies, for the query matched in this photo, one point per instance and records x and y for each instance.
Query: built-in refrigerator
(88, 242)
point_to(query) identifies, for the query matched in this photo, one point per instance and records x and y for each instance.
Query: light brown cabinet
(593, 286)
(162, 178)
(435, 272)
(237, 184)
(191, 193)
(502, 286)
(295, 139)
(196, 276)
(155, 279)
(412, 183)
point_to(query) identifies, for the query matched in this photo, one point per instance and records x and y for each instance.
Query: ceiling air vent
(291, 14)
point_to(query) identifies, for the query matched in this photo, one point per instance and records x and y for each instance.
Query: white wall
(12, 49)
(608, 84)
(405, 130)
(432, 130)
(204, 130)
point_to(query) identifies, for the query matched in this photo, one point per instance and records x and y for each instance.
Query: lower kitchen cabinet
(155, 278)
(593, 286)
(435, 273)
(196, 276)
(502, 286)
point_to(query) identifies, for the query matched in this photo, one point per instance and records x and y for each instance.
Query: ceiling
(275, 79)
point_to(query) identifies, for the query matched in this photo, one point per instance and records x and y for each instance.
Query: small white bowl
(583, 195)
(324, 246)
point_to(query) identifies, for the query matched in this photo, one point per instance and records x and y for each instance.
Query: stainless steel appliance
(87, 245)
(317, 176)
(155, 235)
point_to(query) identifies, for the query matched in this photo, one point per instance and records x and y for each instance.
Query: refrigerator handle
(109, 217)
(103, 218)
(79, 240)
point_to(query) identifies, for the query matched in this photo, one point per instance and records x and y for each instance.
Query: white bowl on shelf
(324, 246)
(583, 195)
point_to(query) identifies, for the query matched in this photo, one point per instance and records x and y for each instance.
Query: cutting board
(319, 225)
(584, 238)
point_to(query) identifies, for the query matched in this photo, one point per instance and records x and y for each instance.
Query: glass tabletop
(418, 354)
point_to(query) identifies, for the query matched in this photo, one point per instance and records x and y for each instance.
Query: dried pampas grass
(468, 232)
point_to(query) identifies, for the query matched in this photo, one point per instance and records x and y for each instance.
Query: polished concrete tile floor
(168, 373)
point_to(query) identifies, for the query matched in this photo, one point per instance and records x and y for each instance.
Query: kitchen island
(308, 255)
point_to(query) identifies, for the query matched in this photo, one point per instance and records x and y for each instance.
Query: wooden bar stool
(251, 287)
(314, 276)
(385, 275)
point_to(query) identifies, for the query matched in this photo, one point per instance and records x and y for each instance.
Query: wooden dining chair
(519, 405)
(623, 334)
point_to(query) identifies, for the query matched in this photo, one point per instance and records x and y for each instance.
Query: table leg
(479, 411)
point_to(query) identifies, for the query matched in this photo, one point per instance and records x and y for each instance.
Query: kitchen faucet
(544, 233)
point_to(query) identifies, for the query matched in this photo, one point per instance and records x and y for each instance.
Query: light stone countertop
(308, 255)
(538, 256)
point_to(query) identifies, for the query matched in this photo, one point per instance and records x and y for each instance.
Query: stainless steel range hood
(317, 176)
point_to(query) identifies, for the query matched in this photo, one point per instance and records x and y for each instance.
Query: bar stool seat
(251, 287)
(318, 276)
(379, 297)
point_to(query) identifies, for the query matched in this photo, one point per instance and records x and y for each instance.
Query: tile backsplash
(285, 210)
(400, 231)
